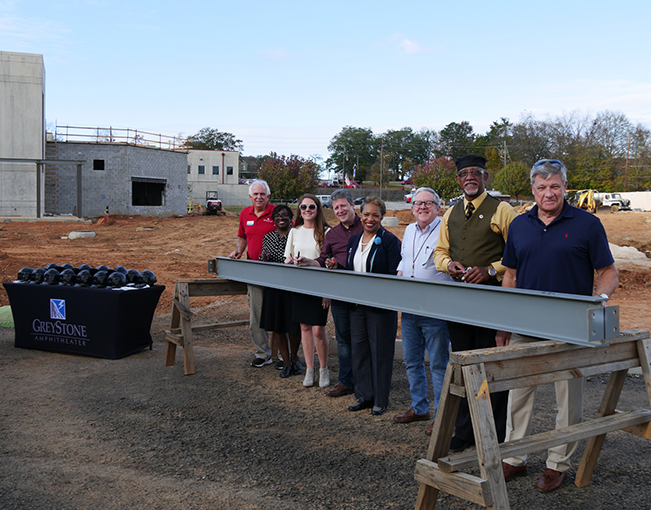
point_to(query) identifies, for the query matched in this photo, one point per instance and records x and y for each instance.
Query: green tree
(513, 179)
(455, 140)
(440, 174)
(350, 146)
(213, 139)
(407, 148)
(289, 178)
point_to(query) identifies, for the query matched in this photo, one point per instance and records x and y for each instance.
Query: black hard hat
(67, 266)
(84, 278)
(37, 275)
(120, 269)
(67, 277)
(84, 266)
(24, 275)
(148, 277)
(52, 265)
(51, 277)
(116, 279)
(102, 267)
(133, 276)
(99, 278)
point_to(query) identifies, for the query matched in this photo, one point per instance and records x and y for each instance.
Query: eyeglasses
(426, 203)
(311, 207)
(554, 162)
(465, 173)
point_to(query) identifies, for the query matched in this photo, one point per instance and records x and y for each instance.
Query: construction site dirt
(87, 433)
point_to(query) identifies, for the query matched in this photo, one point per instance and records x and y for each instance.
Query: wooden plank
(488, 450)
(459, 391)
(186, 329)
(462, 485)
(566, 360)
(439, 444)
(561, 375)
(184, 310)
(640, 430)
(221, 325)
(523, 350)
(546, 440)
(644, 352)
(175, 339)
(217, 288)
(593, 446)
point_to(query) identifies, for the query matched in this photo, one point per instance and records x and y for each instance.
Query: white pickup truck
(615, 201)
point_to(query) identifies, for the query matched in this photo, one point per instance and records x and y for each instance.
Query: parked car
(359, 200)
(325, 200)
(322, 185)
(407, 182)
(353, 184)
(409, 196)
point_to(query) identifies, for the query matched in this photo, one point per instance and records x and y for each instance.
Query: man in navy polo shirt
(557, 248)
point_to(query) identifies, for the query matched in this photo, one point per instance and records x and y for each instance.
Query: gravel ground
(87, 433)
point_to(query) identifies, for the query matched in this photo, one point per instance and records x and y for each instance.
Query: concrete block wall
(112, 187)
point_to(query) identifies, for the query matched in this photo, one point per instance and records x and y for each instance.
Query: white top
(417, 252)
(361, 254)
(301, 239)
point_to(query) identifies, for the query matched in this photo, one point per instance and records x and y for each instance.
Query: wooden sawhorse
(181, 328)
(474, 374)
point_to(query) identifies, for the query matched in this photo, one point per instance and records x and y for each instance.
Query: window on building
(229, 170)
(98, 164)
(215, 170)
(188, 169)
(202, 169)
(147, 191)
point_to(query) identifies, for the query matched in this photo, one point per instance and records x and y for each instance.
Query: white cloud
(407, 46)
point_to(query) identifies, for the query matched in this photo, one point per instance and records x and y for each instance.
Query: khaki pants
(569, 402)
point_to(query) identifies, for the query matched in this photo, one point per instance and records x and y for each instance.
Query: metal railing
(118, 135)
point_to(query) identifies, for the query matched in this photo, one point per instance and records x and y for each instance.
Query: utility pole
(381, 164)
(628, 149)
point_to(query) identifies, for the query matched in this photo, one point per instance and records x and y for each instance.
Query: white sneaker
(309, 377)
(324, 377)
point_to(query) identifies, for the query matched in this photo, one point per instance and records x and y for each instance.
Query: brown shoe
(551, 480)
(339, 391)
(410, 416)
(429, 429)
(512, 471)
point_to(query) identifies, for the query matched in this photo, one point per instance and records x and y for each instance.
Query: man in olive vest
(470, 247)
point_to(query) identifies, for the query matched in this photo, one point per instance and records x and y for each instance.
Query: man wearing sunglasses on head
(555, 248)
(470, 247)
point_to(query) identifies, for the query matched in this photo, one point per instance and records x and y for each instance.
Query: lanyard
(415, 254)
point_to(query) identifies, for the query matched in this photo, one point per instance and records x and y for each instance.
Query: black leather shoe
(359, 405)
(287, 370)
(378, 410)
(297, 369)
(458, 445)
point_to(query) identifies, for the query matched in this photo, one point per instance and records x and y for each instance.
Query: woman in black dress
(276, 313)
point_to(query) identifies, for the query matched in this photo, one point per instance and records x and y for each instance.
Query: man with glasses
(256, 221)
(469, 249)
(555, 248)
(422, 333)
(333, 254)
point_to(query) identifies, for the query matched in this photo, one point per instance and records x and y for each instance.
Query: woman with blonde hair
(305, 241)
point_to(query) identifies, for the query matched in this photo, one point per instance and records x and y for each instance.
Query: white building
(213, 170)
(22, 133)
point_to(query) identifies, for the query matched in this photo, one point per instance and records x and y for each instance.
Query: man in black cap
(470, 247)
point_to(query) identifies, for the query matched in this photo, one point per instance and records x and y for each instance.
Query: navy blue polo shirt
(559, 257)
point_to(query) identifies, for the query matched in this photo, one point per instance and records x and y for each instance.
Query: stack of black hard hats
(85, 275)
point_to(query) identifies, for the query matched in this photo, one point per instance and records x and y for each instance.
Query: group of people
(553, 247)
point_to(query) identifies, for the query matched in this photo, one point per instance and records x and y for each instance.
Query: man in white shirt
(420, 333)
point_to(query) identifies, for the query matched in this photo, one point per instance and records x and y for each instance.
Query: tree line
(605, 151)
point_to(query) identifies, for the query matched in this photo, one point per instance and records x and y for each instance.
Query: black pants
(373, 341)
(464, 337)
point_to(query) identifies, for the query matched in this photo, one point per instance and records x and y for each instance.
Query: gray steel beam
(571, 318)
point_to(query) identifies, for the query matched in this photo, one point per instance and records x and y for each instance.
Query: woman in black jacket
(373, 330)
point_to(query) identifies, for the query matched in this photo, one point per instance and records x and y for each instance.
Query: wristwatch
(492, 272)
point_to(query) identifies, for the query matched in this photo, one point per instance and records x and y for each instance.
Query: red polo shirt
(253, 228)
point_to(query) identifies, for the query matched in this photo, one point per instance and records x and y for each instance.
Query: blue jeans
(341, 316)
(420, 333)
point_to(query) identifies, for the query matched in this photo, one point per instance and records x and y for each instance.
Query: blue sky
(286, 76)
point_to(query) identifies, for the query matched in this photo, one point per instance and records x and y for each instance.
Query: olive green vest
(472, 242)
